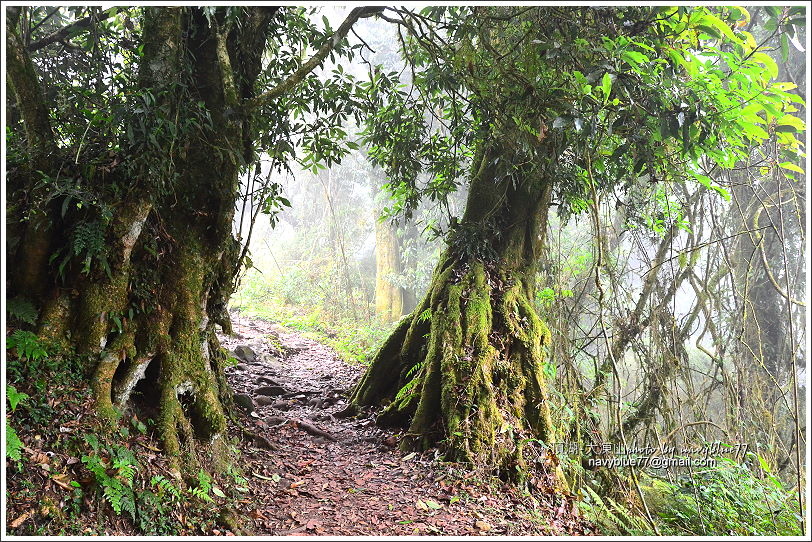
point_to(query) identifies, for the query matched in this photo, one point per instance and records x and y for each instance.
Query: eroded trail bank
(310, 472)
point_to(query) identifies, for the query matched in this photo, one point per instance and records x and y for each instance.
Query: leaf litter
(345, 476)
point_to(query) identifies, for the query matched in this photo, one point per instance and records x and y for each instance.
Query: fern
(614, 516)
(125, 471)
(87, 241)
(203, 487)
(13, 443)
(165, 487)
(26, 344)
(117, 490)
(425, 315)
(20, 308)
(409, 388)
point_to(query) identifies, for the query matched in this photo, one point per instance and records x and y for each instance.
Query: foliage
(732, 499)
(21, 308)
(595, 98)
(115, 468)
(611, 516)
(26, 346)
(13, 442)
(114, 476)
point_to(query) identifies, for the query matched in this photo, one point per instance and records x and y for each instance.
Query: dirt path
(311, 473)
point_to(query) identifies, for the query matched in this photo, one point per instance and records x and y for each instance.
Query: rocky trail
(310, 472)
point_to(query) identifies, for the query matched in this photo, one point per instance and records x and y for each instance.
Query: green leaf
(768, 62)
(606, 86)
(14, 397)
(795, 122)
(219, 492)
(792, 167)
(634, 58)
(432, 504)
(712, 21)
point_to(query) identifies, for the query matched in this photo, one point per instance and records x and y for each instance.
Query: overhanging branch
(314, 61)
(71, 29)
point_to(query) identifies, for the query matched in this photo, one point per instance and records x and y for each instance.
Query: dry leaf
(483, 526)
(20, 520)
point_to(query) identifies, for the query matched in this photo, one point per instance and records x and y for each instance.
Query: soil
(312, 473)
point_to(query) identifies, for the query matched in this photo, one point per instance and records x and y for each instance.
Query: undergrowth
(70, 474)
(729, 499)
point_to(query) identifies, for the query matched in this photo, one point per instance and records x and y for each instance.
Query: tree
(123, 187)
(541, 105)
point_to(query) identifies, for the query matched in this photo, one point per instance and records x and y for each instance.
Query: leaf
(433, 505)
(606, 86)
(792, 167)
(634, 58)
(219, 492)
(421, 505)
(795, 122)
(483, 526)
(768, 62)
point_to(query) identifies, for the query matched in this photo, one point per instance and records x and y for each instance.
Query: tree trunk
(146, 324)
(389, 297)
(466, 369)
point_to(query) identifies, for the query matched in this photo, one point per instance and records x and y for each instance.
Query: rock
(244, 402)
(281, 405)
(263, 443)
(267, 381)
(246, 354)
(241, 367)
(263, 400)
(272, 391)
(230, 521)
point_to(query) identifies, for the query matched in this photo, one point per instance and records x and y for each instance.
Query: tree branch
(73, 28)
(314, 61)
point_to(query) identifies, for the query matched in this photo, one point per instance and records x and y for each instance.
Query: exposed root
(471, 377)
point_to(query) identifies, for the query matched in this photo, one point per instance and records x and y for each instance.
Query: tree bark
(389, 297)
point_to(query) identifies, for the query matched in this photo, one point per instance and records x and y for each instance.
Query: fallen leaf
(421, 505)
(483, 526)
(20, 520)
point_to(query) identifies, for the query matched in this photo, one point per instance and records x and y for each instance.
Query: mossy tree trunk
(146, 323)
(467, 368)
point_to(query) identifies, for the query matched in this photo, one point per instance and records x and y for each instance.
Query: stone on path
(245, 353)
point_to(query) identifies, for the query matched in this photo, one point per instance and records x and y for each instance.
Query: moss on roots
(478, 362)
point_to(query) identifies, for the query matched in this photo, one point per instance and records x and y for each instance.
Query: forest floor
(312, 473)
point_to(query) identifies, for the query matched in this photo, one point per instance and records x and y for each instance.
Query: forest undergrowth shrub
(731, 499)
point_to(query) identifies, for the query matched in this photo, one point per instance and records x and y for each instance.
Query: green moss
(99, 299)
